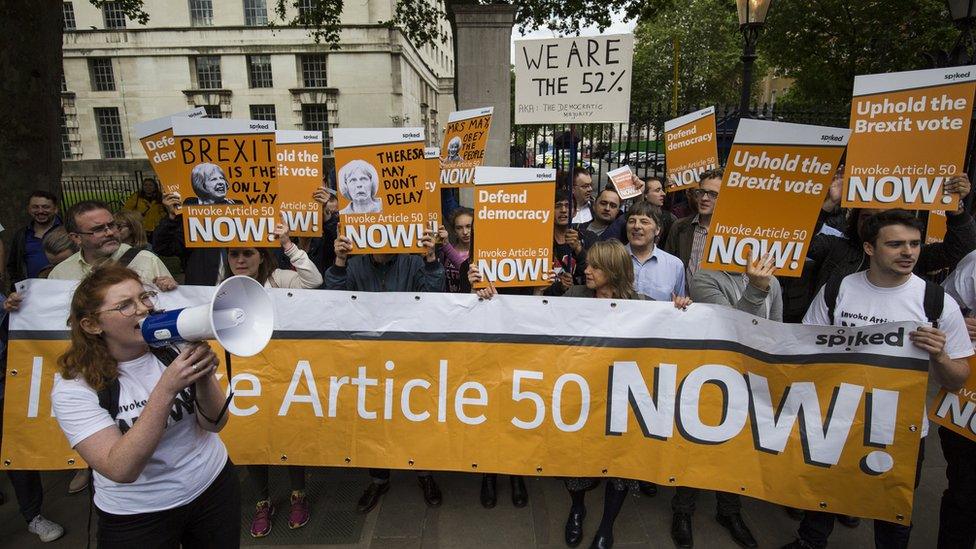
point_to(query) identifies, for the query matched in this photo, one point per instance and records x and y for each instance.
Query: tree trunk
(30, 139)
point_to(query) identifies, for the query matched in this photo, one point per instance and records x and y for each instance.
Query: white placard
(577, 80)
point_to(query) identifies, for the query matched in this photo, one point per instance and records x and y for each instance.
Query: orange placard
(156, 137)
(299, 156)
(935, 231)
(910, 131)
(772, 190)
(464, 145)
(513, 218)
(228, 182)
(691, 148)
(381, 175)
(955, 411)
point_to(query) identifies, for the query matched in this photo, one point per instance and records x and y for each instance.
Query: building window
(315, 118)
(259, 71)
(102, 78)
(213, 111)
(65, 142)
(201, 13)
(208, 72)
(114, 15)
(305, 6)
(313, 71)
(109, 132)
(263, 112)
(68, 15)
(255, 13)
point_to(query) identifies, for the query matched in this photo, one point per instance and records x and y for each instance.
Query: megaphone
(240, 316)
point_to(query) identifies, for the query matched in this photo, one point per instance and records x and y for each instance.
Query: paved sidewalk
(403, 521)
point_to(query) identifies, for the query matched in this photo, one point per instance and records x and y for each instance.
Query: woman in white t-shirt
(164, 480)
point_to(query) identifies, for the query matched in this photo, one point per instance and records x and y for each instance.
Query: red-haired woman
(164, 480)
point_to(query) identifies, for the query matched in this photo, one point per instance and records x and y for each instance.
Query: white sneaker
(45, 529)
(80, 481)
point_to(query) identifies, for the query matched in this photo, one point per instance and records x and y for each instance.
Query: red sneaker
(261, 525)
(299, 513)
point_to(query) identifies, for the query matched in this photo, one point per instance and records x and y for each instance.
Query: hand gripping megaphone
(240, 316)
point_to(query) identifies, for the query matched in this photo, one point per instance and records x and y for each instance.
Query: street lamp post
(963, 13)
(752, 16)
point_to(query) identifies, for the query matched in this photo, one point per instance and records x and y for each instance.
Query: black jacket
(402, 273)
(200, 265)
(17, 255)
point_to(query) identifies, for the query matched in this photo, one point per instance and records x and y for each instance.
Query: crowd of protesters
(860, 264)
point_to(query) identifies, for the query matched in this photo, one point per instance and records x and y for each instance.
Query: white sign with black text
(583, 79)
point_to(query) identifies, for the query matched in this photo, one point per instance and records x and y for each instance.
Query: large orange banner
(464, 146)
(823, 418)
(381, 174)
(228, 182)
(691, 148)
(156, 137)
(514, 217)
(299, 156)
(772, 190)
(909, 136)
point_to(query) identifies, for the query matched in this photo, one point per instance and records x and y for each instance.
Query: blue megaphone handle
(159, 329)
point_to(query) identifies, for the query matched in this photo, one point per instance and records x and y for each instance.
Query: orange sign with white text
(957, 411)
(772, 190)
(228, 182)
(513, 217)
(381, 175)
(299, 155)
(691, 148)
(432, 160)
(464, 146)
(909, 135)
(156, 137)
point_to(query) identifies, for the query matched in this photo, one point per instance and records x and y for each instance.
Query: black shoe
(649, 489)
(737, 527)
(602, 542)
(520, 496)
(574, 527)
(848, 521)
(432, 494)
(372, 496)
(489, 491)
(794, 513)
(681, 530)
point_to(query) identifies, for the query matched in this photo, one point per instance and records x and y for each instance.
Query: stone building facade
(223, 55)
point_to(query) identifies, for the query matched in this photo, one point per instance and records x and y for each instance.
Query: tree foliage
(703, 35)
(823, 44)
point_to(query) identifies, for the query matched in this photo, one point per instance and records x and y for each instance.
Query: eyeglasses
(699, 193)
(101, 230)
(128, 307)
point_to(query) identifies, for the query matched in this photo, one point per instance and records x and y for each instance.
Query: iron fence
(111, 189)
(640, 144)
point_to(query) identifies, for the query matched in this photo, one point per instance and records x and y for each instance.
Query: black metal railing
(640, 144)
(111, 189)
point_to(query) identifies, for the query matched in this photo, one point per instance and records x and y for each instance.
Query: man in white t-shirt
(889, 292)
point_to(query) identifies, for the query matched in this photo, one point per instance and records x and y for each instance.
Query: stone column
(484, 53)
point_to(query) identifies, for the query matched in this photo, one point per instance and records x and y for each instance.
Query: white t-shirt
(186, 461)
(961, 283)
(860, 303)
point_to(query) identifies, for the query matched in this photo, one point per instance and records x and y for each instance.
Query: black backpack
(932, 303)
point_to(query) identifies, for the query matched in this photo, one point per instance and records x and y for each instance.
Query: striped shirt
(697, 247)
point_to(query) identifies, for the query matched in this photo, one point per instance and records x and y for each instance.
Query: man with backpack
(889, 292)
